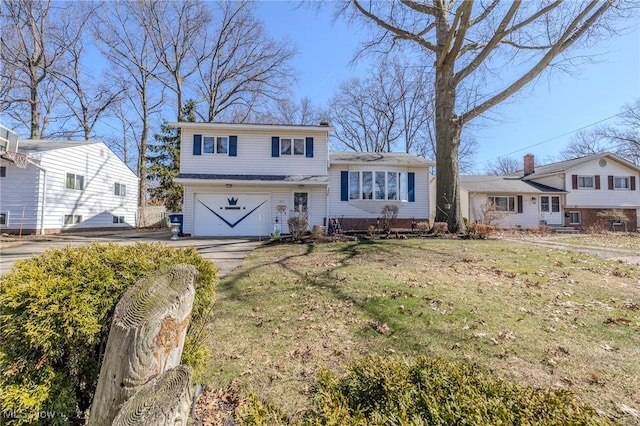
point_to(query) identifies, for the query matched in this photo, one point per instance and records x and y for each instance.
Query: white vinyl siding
(254, 154)
(604, 197)
(371, 208)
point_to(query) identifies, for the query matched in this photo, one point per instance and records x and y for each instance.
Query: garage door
(225, 215)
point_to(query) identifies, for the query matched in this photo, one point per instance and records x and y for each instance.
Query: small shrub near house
(55, 314)
(480, 230)
(440, 228)
(384, 391)
(298, 225)
(388, 213)
(423, 227)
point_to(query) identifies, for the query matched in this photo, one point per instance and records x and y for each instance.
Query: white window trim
(117, 189)
(509, 198)
(402, 185)
(593, 182)
(75, 181)
(626, 179)
(293, 139)
(215, 145)
(75, 219)
(578, 215)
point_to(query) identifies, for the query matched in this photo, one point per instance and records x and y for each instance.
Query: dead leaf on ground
(617, 321)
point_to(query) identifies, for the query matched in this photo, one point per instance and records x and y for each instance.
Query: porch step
(564, 230)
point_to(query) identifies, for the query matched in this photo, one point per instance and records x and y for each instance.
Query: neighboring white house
(569, 193)
(249, 179)
(66, 186)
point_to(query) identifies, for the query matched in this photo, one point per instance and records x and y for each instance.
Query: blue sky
(533, 122)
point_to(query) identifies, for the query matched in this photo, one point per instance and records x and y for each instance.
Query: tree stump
(165, 400)
(146, 338)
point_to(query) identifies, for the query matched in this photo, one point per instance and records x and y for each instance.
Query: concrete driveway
(226, 253)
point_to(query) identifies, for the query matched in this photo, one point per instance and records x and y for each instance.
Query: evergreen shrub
(426, 391)
(55, 314)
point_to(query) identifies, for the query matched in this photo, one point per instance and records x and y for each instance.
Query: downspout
(44, 194)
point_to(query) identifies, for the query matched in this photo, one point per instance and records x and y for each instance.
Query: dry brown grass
(533, 315)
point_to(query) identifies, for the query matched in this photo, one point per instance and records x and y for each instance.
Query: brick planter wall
(362, 224)
(589, 219)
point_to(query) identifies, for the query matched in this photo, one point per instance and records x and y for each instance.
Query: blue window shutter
(309, 147)
(344, 185)
(411, 183)
(197, 144)
(233, 146)
(275, 146)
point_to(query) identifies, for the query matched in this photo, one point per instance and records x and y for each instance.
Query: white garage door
(226, 215)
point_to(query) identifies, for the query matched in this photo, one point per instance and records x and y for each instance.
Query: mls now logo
(232, 201)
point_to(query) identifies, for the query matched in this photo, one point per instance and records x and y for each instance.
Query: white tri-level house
(249, 179)
(54, 186)
(572, 193)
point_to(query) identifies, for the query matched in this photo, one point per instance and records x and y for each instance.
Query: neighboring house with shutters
(572, 193)
(249, 179)
(65, 186)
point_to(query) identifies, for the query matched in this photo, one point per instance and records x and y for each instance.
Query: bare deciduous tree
(178, 32)
(243, 68)
(30, 52)
(288, 111)
(87, 102)
(125, 41)
(622, 138)
(470, 40)
(502, 166)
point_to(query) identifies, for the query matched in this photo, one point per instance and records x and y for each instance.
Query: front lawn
(532, 315)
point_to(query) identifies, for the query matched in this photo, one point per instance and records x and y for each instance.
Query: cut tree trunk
(146, 337)
(164, 401)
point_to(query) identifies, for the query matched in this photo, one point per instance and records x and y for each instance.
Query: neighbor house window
(118, 219)
(585, 182)
(4, 219)
(621, 182)
(215, 144)
(72, 219)
(120, 189)
(574, 218)
(503, 204)
(75, 181)
(289, 146)
(3, 171)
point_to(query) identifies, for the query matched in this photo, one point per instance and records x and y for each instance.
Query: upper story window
(223, 145)
(502, 204)
(215, 145)
(75, 181)
(291, 146)
(586, 182)
(295, 147)
(120, 189)
(621, 182)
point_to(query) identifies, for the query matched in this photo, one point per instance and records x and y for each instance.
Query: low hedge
(55, 314)
(427, 391)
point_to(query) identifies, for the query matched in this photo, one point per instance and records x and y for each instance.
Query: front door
(550, 209)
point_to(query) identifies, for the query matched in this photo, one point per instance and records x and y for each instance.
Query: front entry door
(550, 209)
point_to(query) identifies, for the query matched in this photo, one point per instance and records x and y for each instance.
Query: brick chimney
(529, 164)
